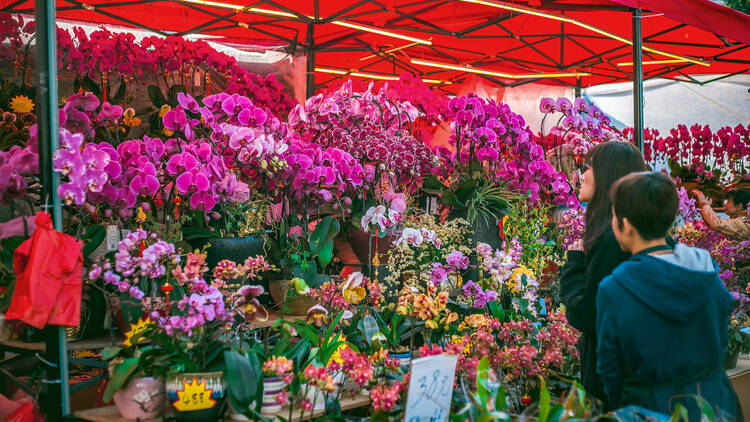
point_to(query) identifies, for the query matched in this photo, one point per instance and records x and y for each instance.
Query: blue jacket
(662, 329)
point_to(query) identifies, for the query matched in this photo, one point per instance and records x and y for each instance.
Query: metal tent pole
(637, 80)
(56, 401)
(310, 53)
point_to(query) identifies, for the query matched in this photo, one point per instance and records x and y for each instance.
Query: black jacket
(579, 285)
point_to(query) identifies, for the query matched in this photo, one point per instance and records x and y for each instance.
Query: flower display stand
(110, 414)
(740, 378)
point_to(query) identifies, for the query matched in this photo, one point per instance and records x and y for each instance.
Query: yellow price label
(194, 396)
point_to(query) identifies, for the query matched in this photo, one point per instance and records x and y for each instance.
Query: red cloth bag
(48, 269)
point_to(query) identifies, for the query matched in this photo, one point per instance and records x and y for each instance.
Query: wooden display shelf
(273, 316)
(740, 378)
(96, 343)
(110, 413)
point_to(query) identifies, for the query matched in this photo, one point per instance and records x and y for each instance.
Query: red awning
(520, 39)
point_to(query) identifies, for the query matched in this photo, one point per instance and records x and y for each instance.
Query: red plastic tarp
(461, 32)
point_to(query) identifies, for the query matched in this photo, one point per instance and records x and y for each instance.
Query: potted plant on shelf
(136, 380)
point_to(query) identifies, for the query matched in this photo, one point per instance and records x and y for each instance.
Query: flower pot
(296, 305)
(197, 397)
(317, 397)
(404, 365)
(272, 386)
(236, 249)
(365, 246)
(143, 398)
(730, 361)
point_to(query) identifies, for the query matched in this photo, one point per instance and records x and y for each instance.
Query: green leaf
(497, 310)
(325, 254)
(156, 96)
(706, 409)
(432, 185)
(94, 237)
(172, 93)
(482, 375)
(500, 401)
(119, 96)
(544, 402)
(91, 86)
(120, 377)
(110, 352)
(680, 413)
(240, 368)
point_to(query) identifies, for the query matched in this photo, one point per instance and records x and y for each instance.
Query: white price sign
(430, 388)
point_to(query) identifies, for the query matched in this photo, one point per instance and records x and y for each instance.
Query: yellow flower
(515, 282)
(430, 324)
(164, 110)
(21, 104)
(129, 113)
(167, 132)
(352, 289)
(300, 286)
(336, 356)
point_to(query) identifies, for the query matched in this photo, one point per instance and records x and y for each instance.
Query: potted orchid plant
(376, 131)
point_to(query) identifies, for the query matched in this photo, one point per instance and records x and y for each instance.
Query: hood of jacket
(673, 285)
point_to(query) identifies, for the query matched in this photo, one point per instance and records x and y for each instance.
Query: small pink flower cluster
(384, 397)
(330, 294)
(320, 378)
(280, 366)
(356, 366)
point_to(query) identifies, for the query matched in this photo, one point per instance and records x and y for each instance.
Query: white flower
(410, 236)
(374, 216)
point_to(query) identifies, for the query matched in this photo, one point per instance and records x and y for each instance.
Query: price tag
(430, 388)
(194, 396)
(113, 237)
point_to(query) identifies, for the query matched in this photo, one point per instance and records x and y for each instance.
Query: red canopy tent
(572, 42)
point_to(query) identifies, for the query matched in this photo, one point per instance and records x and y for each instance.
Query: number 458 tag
(194, 396)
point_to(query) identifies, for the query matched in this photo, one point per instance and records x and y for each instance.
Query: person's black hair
(648, 200)
(610, 161)
(739, 197)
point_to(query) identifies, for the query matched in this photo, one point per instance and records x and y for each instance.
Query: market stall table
(110, 413)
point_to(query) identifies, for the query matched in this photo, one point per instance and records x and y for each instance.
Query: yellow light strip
(498, 74)
(381, 32)
(654, 62)
(392, 50)
(374, 75)
(240, 8)
(578, 23)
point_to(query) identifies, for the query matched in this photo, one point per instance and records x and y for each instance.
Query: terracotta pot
(297, 305)
(143, 398)
(207, 407)
(364, 246)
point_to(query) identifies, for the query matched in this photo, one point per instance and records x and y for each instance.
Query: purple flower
(85, 102)
(136, 293)
(181, 163)
(144, 184)
(71, 194)
(202, 201)
(190, 182)
(175, 119)
(438, 274)
(581, 105)
(457, 260)
(547, 105)
(564, 105)
(110, 112)
(187, 102)
(252, 116)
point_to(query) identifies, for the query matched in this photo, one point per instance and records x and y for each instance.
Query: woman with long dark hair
(598, 253)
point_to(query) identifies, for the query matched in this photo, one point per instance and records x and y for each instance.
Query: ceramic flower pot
(295, 305)
(272, 386)
(404, 365)
(143, 398)
(366, 246)
(730, 361)
(236, 249)
(197, 397)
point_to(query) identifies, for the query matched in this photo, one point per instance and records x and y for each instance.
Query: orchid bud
(347, 200)
(206, 218)
(215, 215)
(145, 206)
(108, 213)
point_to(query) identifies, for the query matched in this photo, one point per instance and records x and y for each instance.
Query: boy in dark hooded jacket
(663, 315)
